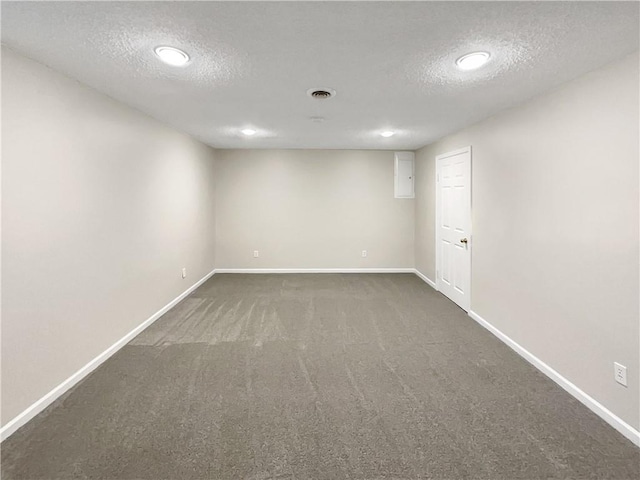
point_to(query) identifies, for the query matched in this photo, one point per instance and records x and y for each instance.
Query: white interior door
(453, 226)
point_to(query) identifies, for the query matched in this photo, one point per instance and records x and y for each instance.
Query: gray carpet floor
(317, 377)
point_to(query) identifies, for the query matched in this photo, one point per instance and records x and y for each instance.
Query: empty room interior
(320, 240)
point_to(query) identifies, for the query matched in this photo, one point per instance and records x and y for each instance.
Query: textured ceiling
(391, 63)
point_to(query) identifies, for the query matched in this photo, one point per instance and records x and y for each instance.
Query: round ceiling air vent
(321, 93)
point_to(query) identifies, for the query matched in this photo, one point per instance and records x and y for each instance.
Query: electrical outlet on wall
(620, 373)
(364, 253)
(256, 254)
(184, 273)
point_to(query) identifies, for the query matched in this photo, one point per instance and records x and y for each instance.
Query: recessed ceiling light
(387, 133)
(172, 56)
(471, 61)
(249, 131)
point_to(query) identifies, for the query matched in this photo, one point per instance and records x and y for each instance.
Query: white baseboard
(426, 279)
(607, 415)
(50, 397)
(616, 422)
(591, 403)
(315, 270)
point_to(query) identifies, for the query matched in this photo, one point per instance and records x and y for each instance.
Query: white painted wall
(555, 228)
(311, 209)
(101, 208)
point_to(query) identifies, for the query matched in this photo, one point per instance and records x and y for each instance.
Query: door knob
(463, 240)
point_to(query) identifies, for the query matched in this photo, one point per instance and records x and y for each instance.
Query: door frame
(437, 216)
